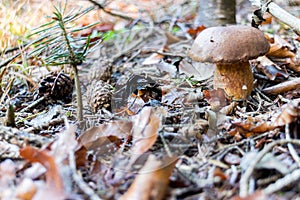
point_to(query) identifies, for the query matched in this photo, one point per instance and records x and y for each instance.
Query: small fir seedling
(58, 45)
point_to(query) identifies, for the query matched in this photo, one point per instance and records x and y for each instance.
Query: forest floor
(154, 127)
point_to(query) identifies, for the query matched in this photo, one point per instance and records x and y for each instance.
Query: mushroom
(230, 48)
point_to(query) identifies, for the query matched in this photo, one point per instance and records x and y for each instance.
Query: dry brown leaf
(270, 69)
(293, 64)
(290, 112)
(152, 59)
(52, 159)
(173, 95)
(249, 129)
(197, 70)
(219, 173)
(53, 178)
(195, 31)
(268, 19)
(64, 144)
(171, 38)
(280, 48)
(283, 87)
(104, 134)
(81, 156)
(216, 98)
(145, 130)
(152, 180)
(135, 104)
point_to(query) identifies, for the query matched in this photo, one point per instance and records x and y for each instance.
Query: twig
(166, 146)
(33, 104)
(78, 180)
(263, 95)
(53, 122)
(290, 146)
(5, 62)
(9, 50)
(283, 182)
(246, 176)
(286, 86)
(164, 53)
(110, 12)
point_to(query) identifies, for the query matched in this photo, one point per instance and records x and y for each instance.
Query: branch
(109, 12)
(284, 16)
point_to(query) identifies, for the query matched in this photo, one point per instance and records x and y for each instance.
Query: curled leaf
(280, 48)
(145, 130)
(290, 113)
(152, 181)
(270, 69)
(53, 178)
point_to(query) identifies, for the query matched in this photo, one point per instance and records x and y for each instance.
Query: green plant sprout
(58, 45)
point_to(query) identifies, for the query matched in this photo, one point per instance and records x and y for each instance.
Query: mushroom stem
(236, 79)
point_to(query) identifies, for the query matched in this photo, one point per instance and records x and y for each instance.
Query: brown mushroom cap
(229, 44)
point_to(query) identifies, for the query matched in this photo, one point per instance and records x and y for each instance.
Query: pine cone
(101, 69)
(57, 86)
(99, 95)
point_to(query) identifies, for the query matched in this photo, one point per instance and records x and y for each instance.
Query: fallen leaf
(145, 130)
(293, 64)
(197, 70)
(53, 160)
(270, 69)
(44, 118)
(216, 98)
(53, 178)
(219, 173)
(280, 48)
(290, 112)
(173, 95)
(135, 104)
(195, 31)
(64, 144)
(99, 138)
(171, 39)
(249, 129)
(168, 66)
(152, 59)
(152, 180)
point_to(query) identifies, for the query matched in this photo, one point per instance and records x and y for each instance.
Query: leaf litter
(166, 134)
